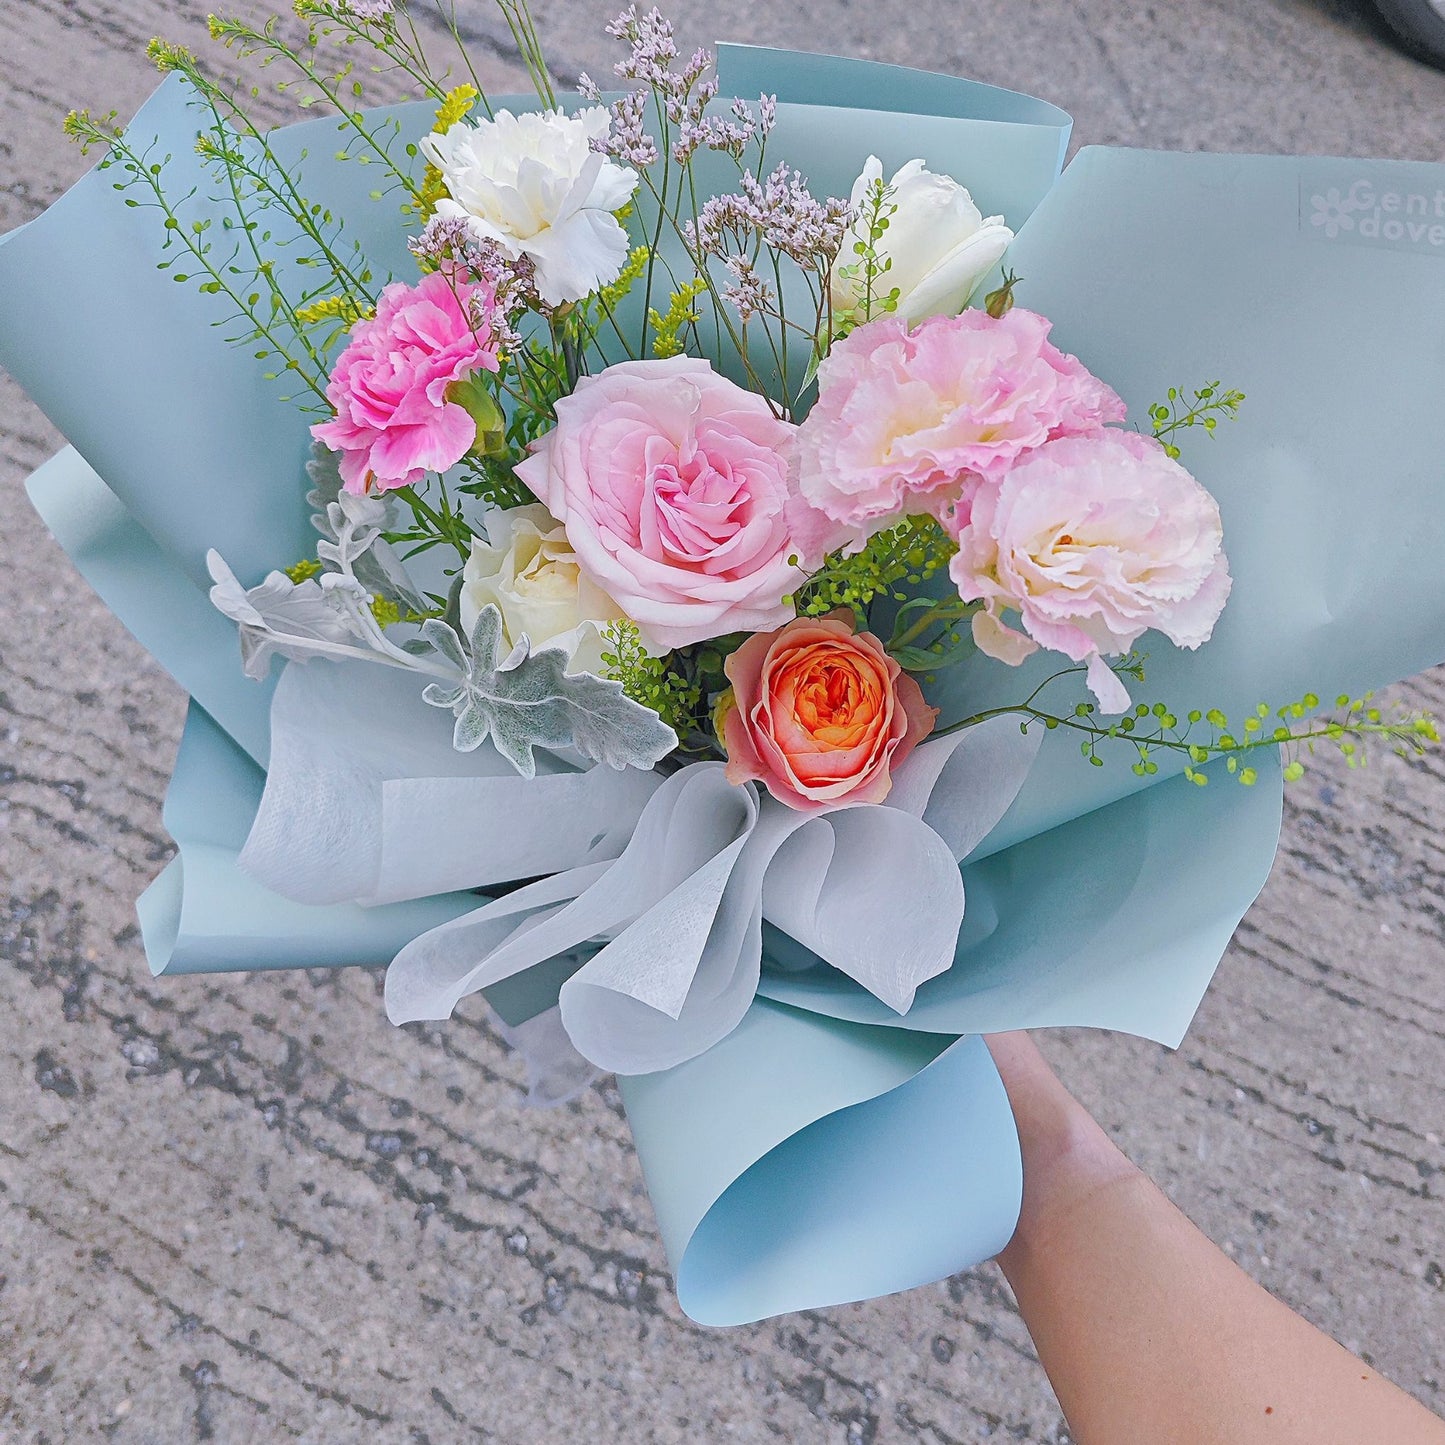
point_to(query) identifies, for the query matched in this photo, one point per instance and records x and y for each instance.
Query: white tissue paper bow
(671, 874)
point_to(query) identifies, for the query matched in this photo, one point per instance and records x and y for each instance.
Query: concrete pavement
(247, 1209)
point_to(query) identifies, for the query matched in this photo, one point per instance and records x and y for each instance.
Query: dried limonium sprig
(449, 241)
(781, 212)
(627, 139)
(733, 133)
(748, 294)
(653, 45)
(682, 97)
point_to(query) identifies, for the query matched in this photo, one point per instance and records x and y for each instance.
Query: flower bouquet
(745, 611)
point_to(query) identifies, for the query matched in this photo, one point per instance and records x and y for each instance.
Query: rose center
(834, 702)
(697, 506)
(548, 572)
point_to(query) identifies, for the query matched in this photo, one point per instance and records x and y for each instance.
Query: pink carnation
(912, 422)
(1093, 540)
(674, 487)
(395, 417)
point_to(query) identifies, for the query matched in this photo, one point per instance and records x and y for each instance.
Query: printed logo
(1365, 212)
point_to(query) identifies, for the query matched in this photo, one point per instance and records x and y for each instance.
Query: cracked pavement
(245, 1208)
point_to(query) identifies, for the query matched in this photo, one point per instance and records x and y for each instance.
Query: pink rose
(913, 422)
(674, 488)
(397, 417)
(820, 715)
(1093, 540)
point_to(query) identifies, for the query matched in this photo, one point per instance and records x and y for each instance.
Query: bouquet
(744, 610)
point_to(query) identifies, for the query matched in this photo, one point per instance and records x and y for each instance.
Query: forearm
(1148, 1332)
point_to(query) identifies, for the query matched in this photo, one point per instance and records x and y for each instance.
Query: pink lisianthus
(1093, 541)
(819, 714)
(396, 419)
(674, 487)
(909, 422)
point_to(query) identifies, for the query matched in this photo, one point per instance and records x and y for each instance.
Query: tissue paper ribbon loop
(367, 801)
(664, 880)
(873, 890)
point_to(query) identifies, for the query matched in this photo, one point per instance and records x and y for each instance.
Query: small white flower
(527, 569)
(534, 185)
(939, 243)
(1332, 211)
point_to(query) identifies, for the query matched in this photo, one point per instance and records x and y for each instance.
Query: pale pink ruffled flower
(1093, 541)
(912, 422)
(674, 487)
(395, 417)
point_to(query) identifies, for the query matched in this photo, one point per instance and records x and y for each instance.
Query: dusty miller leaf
(526, 700)
(297, 620)
(376, 566)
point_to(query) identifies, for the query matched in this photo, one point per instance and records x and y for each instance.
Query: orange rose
(820, 714)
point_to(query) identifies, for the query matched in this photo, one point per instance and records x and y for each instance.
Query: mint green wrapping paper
(1161, 270)
(204, 915)
(1114, 920)
(804, 1162)
(828, 1150)
(169, 615)
(1006, 147)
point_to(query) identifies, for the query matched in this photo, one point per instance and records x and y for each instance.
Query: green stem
(442, 527)
(946, 610)
(447, 11)
(261, 40)
(218, 283)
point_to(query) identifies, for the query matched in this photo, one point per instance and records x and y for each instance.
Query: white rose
(939, 242)
(533, 184)
(528, 570)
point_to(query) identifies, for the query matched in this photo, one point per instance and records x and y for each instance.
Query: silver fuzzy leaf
(298, 620)
(376, 566)
(526, 700)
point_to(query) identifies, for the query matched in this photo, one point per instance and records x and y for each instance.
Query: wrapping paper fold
(204, 914)
(826, 1149)
(1159, 269)
(805, 1162)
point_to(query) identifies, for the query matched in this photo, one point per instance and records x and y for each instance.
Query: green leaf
(915, 659)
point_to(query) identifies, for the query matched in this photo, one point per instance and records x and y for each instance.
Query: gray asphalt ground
(247, 1209)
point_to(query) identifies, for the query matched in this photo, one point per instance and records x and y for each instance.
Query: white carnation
(533, 184)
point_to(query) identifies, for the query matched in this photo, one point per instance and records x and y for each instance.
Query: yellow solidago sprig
(386, 612)
(303, 571)
(668, 326)
(345, 309)
(455, 107)
(612, 294)
(340, 312)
